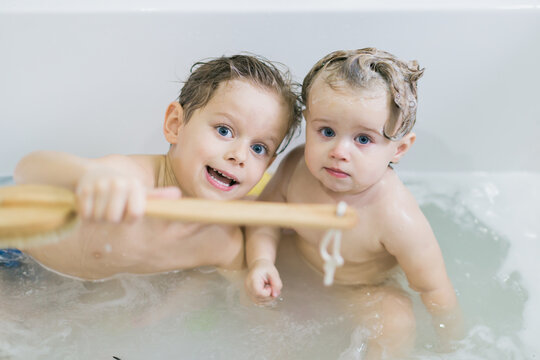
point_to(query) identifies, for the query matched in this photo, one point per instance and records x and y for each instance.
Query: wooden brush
(32, 215)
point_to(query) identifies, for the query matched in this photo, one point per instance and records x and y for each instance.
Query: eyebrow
(378, 132)
(225, 114)
(270, 141)
(274, 142)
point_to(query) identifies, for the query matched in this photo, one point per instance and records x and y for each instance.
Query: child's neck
(166, 175)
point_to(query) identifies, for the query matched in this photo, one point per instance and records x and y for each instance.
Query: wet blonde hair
(206, 76)
(367, 68)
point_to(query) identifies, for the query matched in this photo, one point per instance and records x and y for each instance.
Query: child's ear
(174, 119)
(405, 144)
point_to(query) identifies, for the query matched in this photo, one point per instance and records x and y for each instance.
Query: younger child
(224, 131)
(360, 109)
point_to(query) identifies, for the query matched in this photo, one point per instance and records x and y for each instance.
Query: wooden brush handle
(31, 209)
(251, 213)
(321, 216)
(36, 195)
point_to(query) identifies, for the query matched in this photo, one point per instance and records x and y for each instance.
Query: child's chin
(335, 186)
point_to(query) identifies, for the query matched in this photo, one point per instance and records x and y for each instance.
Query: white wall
(92, 82)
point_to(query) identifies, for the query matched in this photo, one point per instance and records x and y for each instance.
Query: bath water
(487, 227)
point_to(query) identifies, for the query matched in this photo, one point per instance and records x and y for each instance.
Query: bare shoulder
(405, 223)
(144, 166)
(149, 162)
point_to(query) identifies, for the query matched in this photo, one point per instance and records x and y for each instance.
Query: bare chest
(358, 245)
(100, 250)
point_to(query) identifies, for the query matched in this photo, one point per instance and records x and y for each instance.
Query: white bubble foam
(509, 205)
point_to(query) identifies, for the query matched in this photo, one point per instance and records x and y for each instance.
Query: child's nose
(340, 150)
(237, 153)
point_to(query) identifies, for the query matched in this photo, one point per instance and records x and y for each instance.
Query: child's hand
(104, 194)
(263, 283)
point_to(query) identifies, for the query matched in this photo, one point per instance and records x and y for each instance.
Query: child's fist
(105, 195)
(263, 283)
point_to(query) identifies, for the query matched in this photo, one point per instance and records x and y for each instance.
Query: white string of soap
(333, 238)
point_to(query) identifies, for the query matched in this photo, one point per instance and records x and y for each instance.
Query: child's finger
(275, 283)
(136, 201)
(265, 298)
(84, 201)
(101, 199)
(262, 296)
(266, 290)
(117, 204)
(255, 288)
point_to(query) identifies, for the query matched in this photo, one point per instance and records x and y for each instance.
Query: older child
(231, 117)
(360, 109)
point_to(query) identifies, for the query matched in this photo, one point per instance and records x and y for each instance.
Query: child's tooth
(218, 180)
(222, 174)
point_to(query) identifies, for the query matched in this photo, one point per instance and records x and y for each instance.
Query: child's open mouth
(220, 180)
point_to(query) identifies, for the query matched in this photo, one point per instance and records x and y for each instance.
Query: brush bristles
(39, 239)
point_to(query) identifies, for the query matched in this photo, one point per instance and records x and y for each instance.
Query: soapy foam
(505, 206)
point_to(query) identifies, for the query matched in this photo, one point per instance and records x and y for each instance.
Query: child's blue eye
(327, 132)
(259, 149)
(362, 139)
(224, 131)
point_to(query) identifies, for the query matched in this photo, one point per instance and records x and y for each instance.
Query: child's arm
(415, 247)
(263, 283)
(108, 188)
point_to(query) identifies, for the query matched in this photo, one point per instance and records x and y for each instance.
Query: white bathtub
(95, 78)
